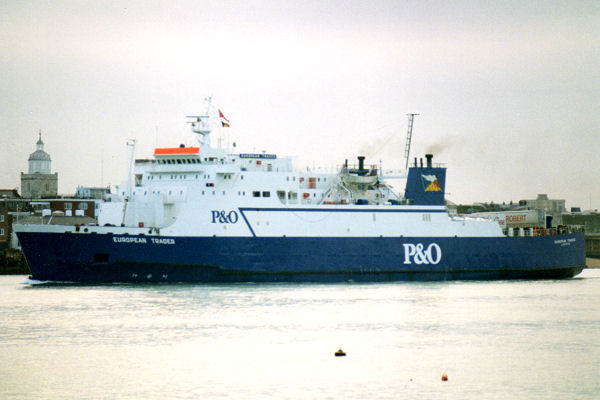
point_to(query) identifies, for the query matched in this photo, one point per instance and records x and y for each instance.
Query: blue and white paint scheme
(203, 214)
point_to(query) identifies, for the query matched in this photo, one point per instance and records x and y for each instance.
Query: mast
(408, 138)
(200, 124)
(130, 143)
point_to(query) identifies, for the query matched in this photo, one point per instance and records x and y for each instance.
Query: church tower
(39, 181)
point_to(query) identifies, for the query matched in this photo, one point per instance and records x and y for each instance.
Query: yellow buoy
(340, 353)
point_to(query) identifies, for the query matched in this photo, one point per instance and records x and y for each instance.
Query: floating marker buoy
(444, 377)
(340, 353)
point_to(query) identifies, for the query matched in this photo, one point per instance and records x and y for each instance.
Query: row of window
(192, 160)
(151, 177)
(281, 194)
(81, 206)
(225, 176)
(180, 161)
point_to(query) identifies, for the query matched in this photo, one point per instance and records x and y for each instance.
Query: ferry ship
(205, 214)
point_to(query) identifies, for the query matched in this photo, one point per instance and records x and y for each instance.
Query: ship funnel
(425, 185)
(429, 157)
(361, 163)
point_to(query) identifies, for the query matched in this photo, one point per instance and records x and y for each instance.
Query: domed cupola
(39, 160)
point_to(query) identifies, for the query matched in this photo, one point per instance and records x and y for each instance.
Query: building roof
(39, 155)
(9, 194)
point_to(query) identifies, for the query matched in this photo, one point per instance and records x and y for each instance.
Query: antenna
(411, 117)
(102, 167)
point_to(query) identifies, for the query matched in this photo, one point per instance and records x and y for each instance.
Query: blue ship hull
(105, 258)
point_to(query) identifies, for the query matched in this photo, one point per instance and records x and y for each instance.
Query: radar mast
(201, 125)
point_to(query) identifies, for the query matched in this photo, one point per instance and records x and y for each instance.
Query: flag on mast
(224, 121)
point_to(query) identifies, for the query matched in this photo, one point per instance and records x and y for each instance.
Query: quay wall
(12, 262)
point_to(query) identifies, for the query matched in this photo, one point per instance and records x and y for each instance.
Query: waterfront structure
(67, 206)
(525, 213)
(39, 181)
(592, 245)
(84, 192)
(590, 220)
(553, 207)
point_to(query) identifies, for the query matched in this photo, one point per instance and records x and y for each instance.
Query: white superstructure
(207, 191)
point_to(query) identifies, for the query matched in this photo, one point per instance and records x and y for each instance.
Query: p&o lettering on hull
(418, 254)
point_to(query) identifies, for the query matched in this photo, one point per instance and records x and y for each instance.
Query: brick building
(5, 226)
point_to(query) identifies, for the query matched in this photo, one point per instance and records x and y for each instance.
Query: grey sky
(508, 93)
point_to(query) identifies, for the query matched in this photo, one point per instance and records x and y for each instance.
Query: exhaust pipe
(429, 158)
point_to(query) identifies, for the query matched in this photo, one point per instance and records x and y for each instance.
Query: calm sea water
(494, 340)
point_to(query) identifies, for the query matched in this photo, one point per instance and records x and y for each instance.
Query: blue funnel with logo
(425, 185)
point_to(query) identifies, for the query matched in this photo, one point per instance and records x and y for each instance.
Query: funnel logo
(430, 183)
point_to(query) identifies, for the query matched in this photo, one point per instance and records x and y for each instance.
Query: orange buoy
(444, 377)
(340, 353)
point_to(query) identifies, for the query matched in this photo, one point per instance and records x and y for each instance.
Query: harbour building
(39, 182)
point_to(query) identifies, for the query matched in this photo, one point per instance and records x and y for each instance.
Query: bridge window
(256, 193)
(281, 195)
(292, 197)
(266, 194)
